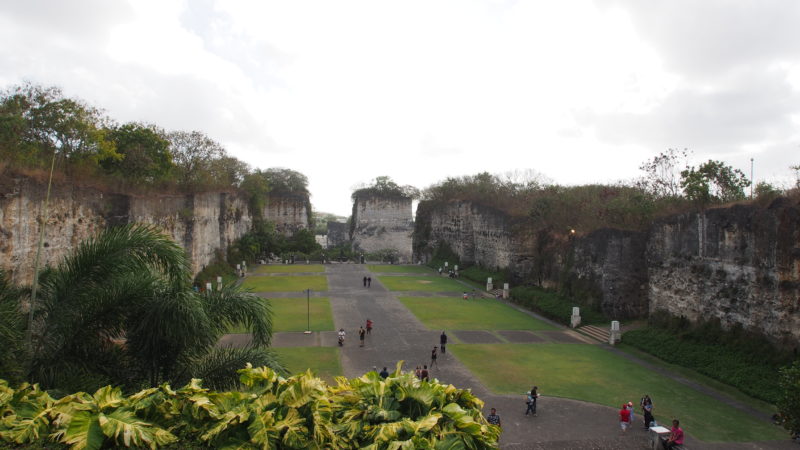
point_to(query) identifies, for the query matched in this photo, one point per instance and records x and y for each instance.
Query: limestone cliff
(382, 223)
(740, 265)
(202, 223)
(289, 213)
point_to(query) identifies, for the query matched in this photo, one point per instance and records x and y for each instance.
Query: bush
(553, 305)
(751, 371)
(479, 275)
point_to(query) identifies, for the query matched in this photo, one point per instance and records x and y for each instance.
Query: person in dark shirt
(384, 373)
(494, 418)
(443, 341)
(361, 334)
(433, 357)
(369, 281)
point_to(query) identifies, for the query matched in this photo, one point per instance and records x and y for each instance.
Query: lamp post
(752, 181)
(308, 312)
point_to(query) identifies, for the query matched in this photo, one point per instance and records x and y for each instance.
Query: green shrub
(479, 275)
(268, 411)
(752, 371)
(553, 305)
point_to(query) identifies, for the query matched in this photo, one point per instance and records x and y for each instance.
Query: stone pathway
(398, 335)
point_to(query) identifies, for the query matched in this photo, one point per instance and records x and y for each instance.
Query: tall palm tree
(121, 310)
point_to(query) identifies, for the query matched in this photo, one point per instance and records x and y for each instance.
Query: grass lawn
(286, 284)
(387, 268)
(291, 314)
(424, 284)
(290, 268)
(323, 361)
(698, 377)
(454, 313)
(587, 372)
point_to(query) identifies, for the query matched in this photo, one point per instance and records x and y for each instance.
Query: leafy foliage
(735, 357)
(554, 306)
(269, 411)
(713, 182)
(385, 187)
(145, 152)
(789, 400)
(121, 309)
(661, 175)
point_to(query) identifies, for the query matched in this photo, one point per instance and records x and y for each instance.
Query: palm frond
(232, 304)
(218, 367)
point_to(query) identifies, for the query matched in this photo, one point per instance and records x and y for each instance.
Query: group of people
(367, 282)
(626, 419)
(362, 333)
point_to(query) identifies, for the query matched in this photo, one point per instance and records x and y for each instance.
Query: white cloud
(346, 91)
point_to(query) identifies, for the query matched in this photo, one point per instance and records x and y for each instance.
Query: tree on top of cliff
(662, 173)
(385, 187)
(145, 151)
(203, 163)
(713, 182)
(287, 182)
(36, 122)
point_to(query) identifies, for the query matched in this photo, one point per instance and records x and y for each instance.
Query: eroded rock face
(338, 234)
(289, 214)
(202, 223)
(740, 265)
(381, 224)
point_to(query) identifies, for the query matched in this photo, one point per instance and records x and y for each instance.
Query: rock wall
(382, 223)
(288, 213)
(202, 223)
(740, 265)
(608, 268)
(477, 234)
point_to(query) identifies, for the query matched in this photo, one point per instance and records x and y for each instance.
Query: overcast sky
(344, 91)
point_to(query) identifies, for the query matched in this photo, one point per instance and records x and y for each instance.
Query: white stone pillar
(209, 287)
(506, 290)
(219, 283)
(614, 336)
(489, 285)
(575, 320)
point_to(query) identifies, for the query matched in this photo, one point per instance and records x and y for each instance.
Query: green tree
(286, 182)
(193, 154)
(713, 182)
(145, 152)
(385, 187)
(120, 309)
(37, 121)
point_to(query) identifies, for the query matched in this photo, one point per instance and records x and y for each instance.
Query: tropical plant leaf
(125, 428)
(83, 432)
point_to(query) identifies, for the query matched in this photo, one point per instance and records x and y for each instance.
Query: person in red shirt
(624, 418)
(369, 326)
(675, 436)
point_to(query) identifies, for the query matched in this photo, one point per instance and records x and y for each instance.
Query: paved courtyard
(398, 335)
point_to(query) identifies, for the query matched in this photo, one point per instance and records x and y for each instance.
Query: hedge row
(721, 362)
(553, 305)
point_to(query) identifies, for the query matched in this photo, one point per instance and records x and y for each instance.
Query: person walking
(443, 341)
(494, 419)
(433, 357)
(624, 418)
(424, 375)
(365, 281)
(418, 372)
(369, 281)
(369, 326)
(630, 408)
(361, 334)
(532, 396)
(384, 373)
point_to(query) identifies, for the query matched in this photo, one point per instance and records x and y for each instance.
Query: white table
(655, 436)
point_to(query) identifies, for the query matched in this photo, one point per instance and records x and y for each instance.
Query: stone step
(594, 332)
